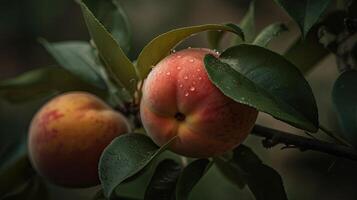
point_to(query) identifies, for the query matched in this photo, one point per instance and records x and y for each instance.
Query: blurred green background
(307, 175)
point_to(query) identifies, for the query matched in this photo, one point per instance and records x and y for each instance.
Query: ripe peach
(179, 99)
(68, 135)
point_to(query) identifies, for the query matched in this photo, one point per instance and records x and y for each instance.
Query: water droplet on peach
(185, 77)
(186, 94)
(191, 60)
(168, 73)
(192, 88)
(178, 68)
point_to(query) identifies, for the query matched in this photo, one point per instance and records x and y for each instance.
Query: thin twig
(274, 137)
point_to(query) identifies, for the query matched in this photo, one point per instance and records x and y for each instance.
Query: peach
(180, 100)
(68, 135)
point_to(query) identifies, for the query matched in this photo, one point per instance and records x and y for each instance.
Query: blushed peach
(68, 135)
(180, 100)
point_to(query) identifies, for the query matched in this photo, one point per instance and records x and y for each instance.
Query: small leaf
(111, 14)
(119, 67)
(78, 58)
(190, 177)
(248, 24)
(214, 38)
(307, 53)
(124, 157)
(43, 82)
(344, 96)
(161, 46)
(269, 33)
(305, 12)
(266, 81)
(264, 182)
(163, 182)
(231, 172)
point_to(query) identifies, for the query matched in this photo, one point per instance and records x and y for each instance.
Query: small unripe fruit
(68, 135)
(179, 100)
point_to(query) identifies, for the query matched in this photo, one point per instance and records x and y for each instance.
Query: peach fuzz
(180, 100)
(68, 135)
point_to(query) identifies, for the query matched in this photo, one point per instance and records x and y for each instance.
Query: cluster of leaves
(248, 72)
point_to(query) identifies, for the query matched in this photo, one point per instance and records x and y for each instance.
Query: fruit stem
(274, 137)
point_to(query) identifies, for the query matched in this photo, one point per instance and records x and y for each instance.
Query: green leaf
(305, 12)
(111, 14)
(163, 182)
(231, 172)
(263, 181)
(78, 58)
(119, 67)
(161, 46)
(43, 82)
(307, 53)
(264, 80)
(213, 38)
(124, 157)
(344, 97)
(248, 24)
(268, 33)
(190, 177)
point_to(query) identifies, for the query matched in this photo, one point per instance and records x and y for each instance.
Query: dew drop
(189, 47)
(186, 94)
(160, 72)
(192, 88)
(191, 60)
(172, 50)
(178, 68)
(178, 56)
(198, 69)
(185, 77)
(180, 85)
(168, 73)
(199, 78)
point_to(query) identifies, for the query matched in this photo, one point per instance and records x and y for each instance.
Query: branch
(274, 137)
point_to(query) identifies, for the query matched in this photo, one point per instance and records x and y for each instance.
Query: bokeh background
(306, 175)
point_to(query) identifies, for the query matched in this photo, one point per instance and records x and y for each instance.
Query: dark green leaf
(111, 14)
(264, 182)
(266, 81)
(34, 189)
(190, 177)
(307, 53)
(119, 67)
(161, 46)
(305, 12)
(268, 33)
(163, 182)
(78, 58)
(125, 157)
(214, 37)
(43, 82)
(231, 172)
(248, 24)
(344, 96)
